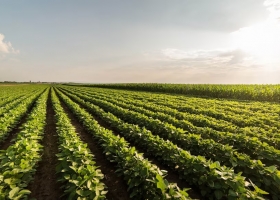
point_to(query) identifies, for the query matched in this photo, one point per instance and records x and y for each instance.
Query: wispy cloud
(6, 47)
(212, 59)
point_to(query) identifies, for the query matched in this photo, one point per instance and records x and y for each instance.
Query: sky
(120, 41)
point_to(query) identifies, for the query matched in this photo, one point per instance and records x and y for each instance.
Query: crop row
(12, 104)
(144, 180)
(214, 180)
(79, 175)
(18, 162)
(10, 119)
(8, 99)
(14, 95)
(6, 92)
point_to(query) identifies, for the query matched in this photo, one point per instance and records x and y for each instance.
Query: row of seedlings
(10, 94)
(79, 175)
(13, 104)
(10, 119)
(9, 104)
(18, 163)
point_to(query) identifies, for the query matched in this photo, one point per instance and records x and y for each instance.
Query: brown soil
(117, 188)
(44, 185)
(172, 176)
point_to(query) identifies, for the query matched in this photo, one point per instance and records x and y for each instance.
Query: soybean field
(154, 141)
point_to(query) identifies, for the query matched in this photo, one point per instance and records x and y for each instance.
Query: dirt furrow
(45, 185)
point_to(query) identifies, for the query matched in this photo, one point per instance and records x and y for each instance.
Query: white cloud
(6, 47)
(221, 58)
(197, 54)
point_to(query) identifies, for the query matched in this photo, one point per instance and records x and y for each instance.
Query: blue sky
(173, 41)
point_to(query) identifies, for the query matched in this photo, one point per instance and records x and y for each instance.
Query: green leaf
(89, 184)
(67, 176)
(104, 192)
(203, 192)
(218, 194)
(13, 192)
(257, 189)
(24, 192)
(135, 191)
(232, 193)
(277, 177)
(8, 181)
(271, 169)
(260, 162)
(211, 183)
(160, 183)
(214, 165)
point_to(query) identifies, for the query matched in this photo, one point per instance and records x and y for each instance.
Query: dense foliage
(243, 92)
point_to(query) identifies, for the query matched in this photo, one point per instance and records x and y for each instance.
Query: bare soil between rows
(45, 185)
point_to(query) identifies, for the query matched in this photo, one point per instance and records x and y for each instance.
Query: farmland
(139, 142)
